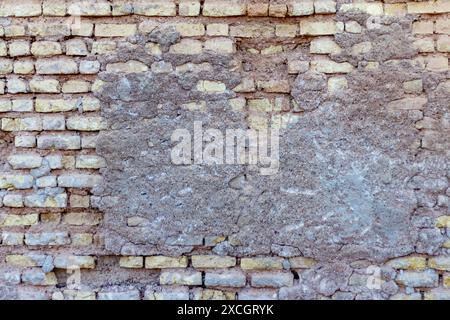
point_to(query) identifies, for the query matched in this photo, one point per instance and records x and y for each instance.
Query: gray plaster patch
(347, 187)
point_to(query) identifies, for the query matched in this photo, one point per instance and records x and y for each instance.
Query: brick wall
(52, 58)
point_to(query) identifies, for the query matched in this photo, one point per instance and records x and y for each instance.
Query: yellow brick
(258, 9)
(131, 66)
(272, 50)
(262, 263)
(211, 86)
(221, 8)
(187, 46)
(162, 262)
(190, 29)
(217, 29)
(210, 261)
(54, 8)
(286, 30)
(82, 218)
(82, 239)
(155, 8)
(374, 9)
(302, 263)
(440, 263)
(131, 262)
(446, 280)
(76, 86)
(408, 263)
(57, 105)
(189, 8)
(20, 220)
(395, 9)
(446, 244)
(115, 30)
(275, 86)
(277, 10)
(443, 43)
(20, 261)
(422, 27)
(431, 6)
(316, 28)
(45, 48)
(328, 66)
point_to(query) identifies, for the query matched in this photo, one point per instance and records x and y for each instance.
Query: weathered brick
(412, 262)
(47, 238)
(258, 9)
(86, 123)
(187, 46)
(302, 263)
(16, 181)
(46, 48)
(38, 277)
(20, 220)
(440, 263)
(76, 47)
(318, 28)
(55, 105)
(54, 8)
(25, 141)
(13, 200)
(163, 262)
(114, 30)
(23, 67)
(301, 8)
(45, 86)
(76, 86)
(210, 261)
(22, 124)
(328, 66)
(189, 8)
(61, 142)
(132, 294)
(220, 8)
(437, 294)
(325, 6)
(25, 161)
(77, 180)
(252, 31)
(425, 279)
(413, 103)
(40, 200)
(261, 263)
(82, 218)
(49, 29)
(56, 66)
(187, 278)
(72, 261)
(225, 279)
(190, 29)
(19, 48)
(12, 238)
(374, 9)
(127, 67)
(211, 86)
(89, 8)
(131, 262)
(90, 162)
(155, 8)
(272, 279)
(278, 10)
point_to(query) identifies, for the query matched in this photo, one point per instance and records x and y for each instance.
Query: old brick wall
(92, 208)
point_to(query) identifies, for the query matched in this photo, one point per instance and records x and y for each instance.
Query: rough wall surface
(92, 207)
